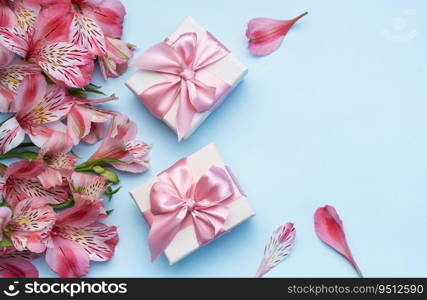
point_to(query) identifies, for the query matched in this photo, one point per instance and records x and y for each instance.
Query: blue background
(336, 116)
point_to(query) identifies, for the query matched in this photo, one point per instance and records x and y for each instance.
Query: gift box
(186, 77)
(190, 204)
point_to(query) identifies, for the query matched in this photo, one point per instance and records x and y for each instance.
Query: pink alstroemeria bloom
(120, 144)
(85, 121)
(78, 238)
(329, 229)
(20, 182)
(92, 21)
(25, 12)
(266, 35)
(16, 264)
(115, 61)
(11, 75)
(47, 44)
(87, 188)
(29, 223)
(108, 14)
(39, 107)
(58, 162)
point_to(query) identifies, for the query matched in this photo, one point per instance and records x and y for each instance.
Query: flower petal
(34, 242)
(21, 184)
(7, 16)
(115, 60)
(5, 217)
(33, 214)
(67, 258)
(86, 33)
(109, 14)
(81, 216)
(50, 178)
(39, 135)
(58, 142)
(66, 64)
(53, 24)
(11, 135)
(24, 169)
(138, 160)
(6, 56)
(98, 240)
(17, 268)
(278, 248)
(96, 133)
(329, 229)
(30, 93)
(11, 77)
(266, 35)
(15, 39)
(53, 106)
(88, 184)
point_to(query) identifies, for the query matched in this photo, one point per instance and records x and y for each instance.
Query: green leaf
(78, 93)
(4, 204)
(28, 155)
(109, 211)
(94, 91)
(88, 165)
(95, 86)
(5, 242)
(25, 145)
(110, 192)
(65, 204)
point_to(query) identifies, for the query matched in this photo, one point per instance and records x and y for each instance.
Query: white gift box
(229, 69)
(185, 241)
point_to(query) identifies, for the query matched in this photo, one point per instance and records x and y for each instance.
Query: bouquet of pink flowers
(50, 205)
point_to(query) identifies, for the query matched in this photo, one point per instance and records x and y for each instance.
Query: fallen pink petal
(278, 248)
(330, 230)
(266, 35)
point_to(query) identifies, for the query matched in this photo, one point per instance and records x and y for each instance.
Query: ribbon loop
(175, 199)
(184, 63)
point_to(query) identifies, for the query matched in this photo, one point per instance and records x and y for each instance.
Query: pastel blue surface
(336, 116)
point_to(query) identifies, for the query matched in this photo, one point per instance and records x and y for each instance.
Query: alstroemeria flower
(59, 163)
(107, 14)
(85, 121)
(120, 144)
(20, 182)
(30, 221)
(92, 21)
(11, 75)
(37, 105)
(16, 264)
(47, 44)
(21, 12)
(329, 229)
(266, 35)
(115, 61)
(87, 188)
(78, 238)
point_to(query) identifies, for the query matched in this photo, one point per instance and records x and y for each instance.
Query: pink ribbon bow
(183, 64)
(176, 201)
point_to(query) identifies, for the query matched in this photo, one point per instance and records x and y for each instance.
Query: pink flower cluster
(50, 205)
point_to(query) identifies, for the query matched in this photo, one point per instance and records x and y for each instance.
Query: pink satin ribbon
(177, 202)
(183, 64)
